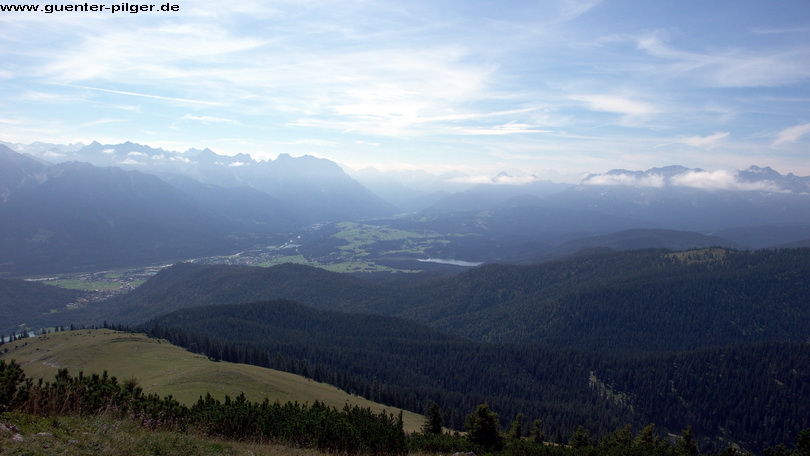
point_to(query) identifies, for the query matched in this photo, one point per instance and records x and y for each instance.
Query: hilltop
(163, 368)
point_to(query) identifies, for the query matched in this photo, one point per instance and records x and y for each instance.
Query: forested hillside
(641, 300)
(638, 301)
(752, 395)
(23, 302)
(712, 338)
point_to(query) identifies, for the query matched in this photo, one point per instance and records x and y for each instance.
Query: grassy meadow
(165, 369)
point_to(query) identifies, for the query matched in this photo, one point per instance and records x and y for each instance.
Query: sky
(545, 87)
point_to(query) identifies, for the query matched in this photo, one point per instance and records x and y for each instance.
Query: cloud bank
(697, 179)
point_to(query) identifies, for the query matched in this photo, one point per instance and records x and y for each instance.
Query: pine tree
(581, 438)
(647, 436)
(803, 443)
(482, 428)
(515, 431)
(687, 444)
(434, 423)
(538, 435)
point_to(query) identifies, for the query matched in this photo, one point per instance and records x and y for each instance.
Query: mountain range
(317, 189)
(80, 207)
(74, 215)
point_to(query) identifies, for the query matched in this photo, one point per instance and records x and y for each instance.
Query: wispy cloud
(570, 9)
(731, 67)
(311, 142)
(617, 104)
(100, 122)
(703, 141)
(553, 82)
(791, 135)
(146, 95)
(210, 119)
(12, 120)
(510, 128)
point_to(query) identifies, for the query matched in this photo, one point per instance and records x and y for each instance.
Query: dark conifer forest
(752, 394)
(715, 341)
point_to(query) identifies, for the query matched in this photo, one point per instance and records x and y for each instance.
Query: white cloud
(310, 142)
(570, 9)
(211, 119)
(99, 122)
(630, 180)
(737, 67)
(477, 179)
(505, 129)
(146, 95)
(617, 104)
(506, 179)
(720, 180)
(792, 134)
(703, 141)
(444, 83)
(705, 180)
(11, 121)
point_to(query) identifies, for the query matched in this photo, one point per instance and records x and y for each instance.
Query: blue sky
(479, 86)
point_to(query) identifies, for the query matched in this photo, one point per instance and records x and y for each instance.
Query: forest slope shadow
(648, 300)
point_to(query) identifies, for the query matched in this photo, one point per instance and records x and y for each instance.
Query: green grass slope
(165, 369)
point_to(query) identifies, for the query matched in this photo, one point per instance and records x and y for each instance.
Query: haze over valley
(530, 228)
(133, 205)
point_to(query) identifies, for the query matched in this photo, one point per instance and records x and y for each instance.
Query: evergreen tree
(538, 434)
(803, 443)
(581, 438)
(647, 436)
(482, 428)
(620, 438)
(778, 450)
(434, 423)
(11, 378)
(515, 431)
(687, 444)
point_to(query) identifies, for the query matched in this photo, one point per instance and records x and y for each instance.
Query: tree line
(347, 431)
(352, 430)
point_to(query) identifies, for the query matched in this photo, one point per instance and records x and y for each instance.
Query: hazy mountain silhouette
(85, 217)
(507, 218)
(315, 189)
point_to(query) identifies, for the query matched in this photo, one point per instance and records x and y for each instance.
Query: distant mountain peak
(501, 177)
(766, 172)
